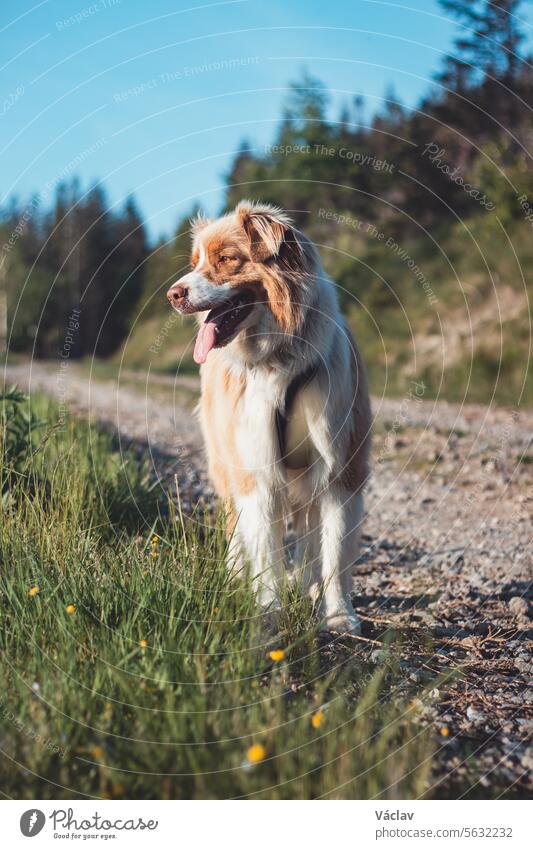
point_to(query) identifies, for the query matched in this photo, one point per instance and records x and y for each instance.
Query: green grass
(87, 709)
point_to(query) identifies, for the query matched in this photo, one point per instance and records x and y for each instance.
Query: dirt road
(447, 559)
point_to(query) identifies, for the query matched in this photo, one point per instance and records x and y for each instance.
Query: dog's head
(245, 263)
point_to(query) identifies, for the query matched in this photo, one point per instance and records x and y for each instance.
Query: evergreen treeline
(78, 255)
(410, 169)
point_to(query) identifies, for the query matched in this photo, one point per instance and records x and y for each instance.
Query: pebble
(519, 607)
(527, 759)
(378, 655)
(475, 715)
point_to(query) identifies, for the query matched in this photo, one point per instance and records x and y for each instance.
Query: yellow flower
(444, 731)
(97, 752)
(155, 540)
(70, 608)
(143, 644)
(276, 654)
(256, 753)
(33, 591)
(317, 719)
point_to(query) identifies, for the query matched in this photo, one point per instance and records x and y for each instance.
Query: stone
(518, 607)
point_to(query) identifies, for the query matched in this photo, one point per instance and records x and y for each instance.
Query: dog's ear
(198, 223)
(266, 228)
(271, 236)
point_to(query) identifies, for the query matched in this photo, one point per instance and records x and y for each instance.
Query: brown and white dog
(284, 408)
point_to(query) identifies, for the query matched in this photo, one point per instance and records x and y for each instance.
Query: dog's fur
(294, 328)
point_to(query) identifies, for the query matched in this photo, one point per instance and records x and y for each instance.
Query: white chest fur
(256, 424)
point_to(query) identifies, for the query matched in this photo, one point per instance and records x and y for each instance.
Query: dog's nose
(177, 294)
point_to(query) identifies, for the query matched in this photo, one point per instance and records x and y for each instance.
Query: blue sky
(154, 98)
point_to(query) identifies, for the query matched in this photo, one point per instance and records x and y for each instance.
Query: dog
(284, 407)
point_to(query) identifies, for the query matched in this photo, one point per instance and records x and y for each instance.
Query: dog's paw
(344, 623)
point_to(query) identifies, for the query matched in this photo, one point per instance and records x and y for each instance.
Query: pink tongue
(207, 336)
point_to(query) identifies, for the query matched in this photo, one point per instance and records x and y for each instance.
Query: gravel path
(447, 559)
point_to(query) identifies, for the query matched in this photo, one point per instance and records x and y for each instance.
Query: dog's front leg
(260, 529)
(341, 514)
(306, 558)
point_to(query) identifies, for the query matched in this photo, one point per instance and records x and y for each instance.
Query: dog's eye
(225, 258)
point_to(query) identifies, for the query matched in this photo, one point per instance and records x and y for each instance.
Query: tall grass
(132, 666)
